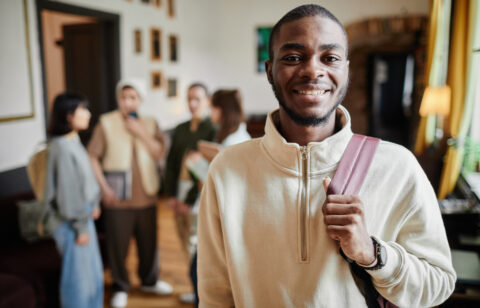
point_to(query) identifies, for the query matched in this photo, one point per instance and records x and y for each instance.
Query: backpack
(35, 219)
(348, 180)
(37, 171)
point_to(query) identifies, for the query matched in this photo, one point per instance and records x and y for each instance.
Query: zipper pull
(304, 152)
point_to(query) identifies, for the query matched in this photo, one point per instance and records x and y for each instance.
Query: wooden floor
(173, 268)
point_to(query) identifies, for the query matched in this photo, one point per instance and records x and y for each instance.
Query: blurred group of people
(119, 169)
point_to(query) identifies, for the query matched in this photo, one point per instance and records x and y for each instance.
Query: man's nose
(313, 69)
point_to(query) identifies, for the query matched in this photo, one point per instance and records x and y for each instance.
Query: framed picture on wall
(16, 63)
(157, 78)
(156, 44)
(171, 8)
(138, 40)
(263, 35)
(172, 87)
(173, 43)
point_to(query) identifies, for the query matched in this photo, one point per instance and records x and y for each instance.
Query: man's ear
(268, 69)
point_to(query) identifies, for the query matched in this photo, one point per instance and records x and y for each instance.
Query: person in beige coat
(124, 151)
(268, 234)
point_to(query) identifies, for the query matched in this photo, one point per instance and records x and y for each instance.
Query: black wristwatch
(380, 255)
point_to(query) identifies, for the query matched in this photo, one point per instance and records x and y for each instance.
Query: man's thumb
(326, 183)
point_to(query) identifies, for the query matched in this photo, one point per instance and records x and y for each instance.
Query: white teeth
(319, 92)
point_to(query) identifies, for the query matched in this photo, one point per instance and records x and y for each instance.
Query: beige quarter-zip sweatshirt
(262, 239)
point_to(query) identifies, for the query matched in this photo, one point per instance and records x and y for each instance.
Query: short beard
(308, 120)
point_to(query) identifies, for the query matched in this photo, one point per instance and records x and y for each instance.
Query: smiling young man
(268, 234)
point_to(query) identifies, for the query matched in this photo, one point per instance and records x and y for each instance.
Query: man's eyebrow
(288, 46)
(331, 46)
(298, 46)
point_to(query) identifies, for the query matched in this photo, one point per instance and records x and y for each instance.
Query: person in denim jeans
(81, 280)
(73, 191)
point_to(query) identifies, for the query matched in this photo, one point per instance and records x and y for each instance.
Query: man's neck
(303, 135)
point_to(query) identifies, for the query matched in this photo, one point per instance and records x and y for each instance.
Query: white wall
(18, 138)
(216, 46)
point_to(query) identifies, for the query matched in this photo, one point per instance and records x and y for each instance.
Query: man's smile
(311, 92)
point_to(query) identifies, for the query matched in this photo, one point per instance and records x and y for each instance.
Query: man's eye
(293, 58)
(331, 59)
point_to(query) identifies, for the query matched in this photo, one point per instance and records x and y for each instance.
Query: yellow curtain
(437, 54)
(462, 76)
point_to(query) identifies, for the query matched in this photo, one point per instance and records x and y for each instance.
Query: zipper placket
(303, 205)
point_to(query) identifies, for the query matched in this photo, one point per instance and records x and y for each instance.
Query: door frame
(112, 26)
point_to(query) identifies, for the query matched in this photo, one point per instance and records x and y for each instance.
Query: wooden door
(85, 68)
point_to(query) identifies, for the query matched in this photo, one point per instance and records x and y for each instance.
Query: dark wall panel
(14, 182)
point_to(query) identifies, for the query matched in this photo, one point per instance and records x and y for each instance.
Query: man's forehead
(311, 27)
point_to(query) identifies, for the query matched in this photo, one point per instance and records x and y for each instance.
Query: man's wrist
(368, 256)
(369, 265)
(380, 256)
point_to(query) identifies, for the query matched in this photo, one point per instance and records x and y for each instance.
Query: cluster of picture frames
(157, 79)
(159, 4)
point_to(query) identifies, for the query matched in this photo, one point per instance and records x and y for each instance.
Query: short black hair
(199, 85)
(63, 105)
(307, 10)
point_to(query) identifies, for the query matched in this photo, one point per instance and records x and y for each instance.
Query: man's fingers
(335, 220)
(337, 233)
(342, 209)
(326, 182)
(341, 220)
(343, 199)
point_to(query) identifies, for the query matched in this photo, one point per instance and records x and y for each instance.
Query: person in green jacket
(182, 191)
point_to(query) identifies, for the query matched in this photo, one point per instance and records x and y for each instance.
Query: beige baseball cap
(137, 83)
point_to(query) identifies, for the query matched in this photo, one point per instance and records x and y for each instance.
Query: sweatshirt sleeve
(213, 277)
(418, 271)
(68, 193)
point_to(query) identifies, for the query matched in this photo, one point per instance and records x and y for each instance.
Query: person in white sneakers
(126, 147)
(268, 234)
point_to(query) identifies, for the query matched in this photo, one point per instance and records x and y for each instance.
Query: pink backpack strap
(353, 166)
(348, 180)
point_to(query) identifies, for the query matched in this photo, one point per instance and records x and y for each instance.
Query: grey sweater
(70, 182)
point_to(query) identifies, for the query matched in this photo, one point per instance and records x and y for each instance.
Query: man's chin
(307, 118)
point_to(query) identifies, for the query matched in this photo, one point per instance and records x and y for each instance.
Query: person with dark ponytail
(227, 112)
(73, 192)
